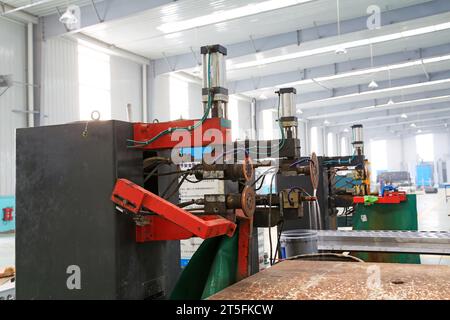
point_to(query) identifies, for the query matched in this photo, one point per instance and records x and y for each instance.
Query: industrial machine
(98, 212)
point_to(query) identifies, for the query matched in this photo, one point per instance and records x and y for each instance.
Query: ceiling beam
(11, 12)
(357, 96)
(186, 61)
(108, 10)
(345, 124)
(401, 102)
(407, 124)
(344, 70)
(377, 135)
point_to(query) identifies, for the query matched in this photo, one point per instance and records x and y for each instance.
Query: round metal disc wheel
(314, 171)
(248, 201)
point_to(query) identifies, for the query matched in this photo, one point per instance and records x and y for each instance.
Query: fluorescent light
(337, 47)
(225, 15)
(404, 116)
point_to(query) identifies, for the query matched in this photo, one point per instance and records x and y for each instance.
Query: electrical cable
(189, 128)
(270, 218)
(262, 175)
(147, 177)
(261, 184)
(281, 224)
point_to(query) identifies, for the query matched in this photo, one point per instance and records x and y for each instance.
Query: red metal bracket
(212, 131)
(169, 222)
(244, 244)
(391, 197)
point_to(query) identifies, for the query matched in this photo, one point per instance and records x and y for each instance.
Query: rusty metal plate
(326, 280)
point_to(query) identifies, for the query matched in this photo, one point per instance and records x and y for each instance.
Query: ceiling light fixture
(340, 50)
(69, 16)
(404, 116)
(263, 97)
(225, 15)
(326, 123)
(390, 102)
(413, 125)
(419, 131)
(373, 84)
(347, 45)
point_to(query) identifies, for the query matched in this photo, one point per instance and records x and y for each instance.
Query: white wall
(402, 153)
(60, 84)
(12, 61)
(126, 87)
(162, 100)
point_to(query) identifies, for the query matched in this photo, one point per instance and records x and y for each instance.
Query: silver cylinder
(358, 139)
(214, 80)
(357, 133)
(218, 74)
(287, 101)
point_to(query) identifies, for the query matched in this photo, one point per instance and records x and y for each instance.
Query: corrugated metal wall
(12, 61)
(60, 87)
(59, 82)
(126, 87)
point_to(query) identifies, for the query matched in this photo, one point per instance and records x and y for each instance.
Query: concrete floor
(7, 250)
(433, 215)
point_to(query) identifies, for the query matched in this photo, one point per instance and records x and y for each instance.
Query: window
(178, 98)
(94, 83)
(331, 145)
(314, 140)
(344, 147)
(425, 147)
(378, 157)
(233, 114)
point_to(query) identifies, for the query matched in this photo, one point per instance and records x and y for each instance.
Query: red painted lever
(171, 222)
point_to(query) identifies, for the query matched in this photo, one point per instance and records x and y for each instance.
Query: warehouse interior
(330, 149)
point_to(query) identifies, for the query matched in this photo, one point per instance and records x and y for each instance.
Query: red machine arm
(170, 221)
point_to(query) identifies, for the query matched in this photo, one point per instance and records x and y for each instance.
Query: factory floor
(433, 215)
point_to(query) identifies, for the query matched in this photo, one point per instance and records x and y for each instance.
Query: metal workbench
(298, 280)
(422, 242)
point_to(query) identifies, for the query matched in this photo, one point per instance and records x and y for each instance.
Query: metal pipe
(253, 118)
(108, 48)
(30, 76)
(144, 94)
